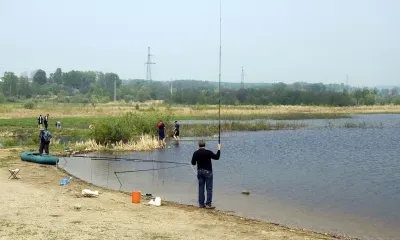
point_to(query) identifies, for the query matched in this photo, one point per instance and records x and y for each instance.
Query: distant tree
(10, 82)
(24, 88)
(50, 79)
(58, 76)
(40, 77)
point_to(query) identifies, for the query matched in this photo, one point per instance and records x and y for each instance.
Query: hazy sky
(280, 40)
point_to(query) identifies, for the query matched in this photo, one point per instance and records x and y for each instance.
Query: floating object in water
(39, 158)
(246, 192)
(136, 197)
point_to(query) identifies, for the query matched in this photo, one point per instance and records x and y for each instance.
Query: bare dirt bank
(36, 207)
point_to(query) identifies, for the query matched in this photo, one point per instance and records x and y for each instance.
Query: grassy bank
(67, 112)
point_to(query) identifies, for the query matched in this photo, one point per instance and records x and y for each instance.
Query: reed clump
(144, 143)
(211, 129)
(125, 127)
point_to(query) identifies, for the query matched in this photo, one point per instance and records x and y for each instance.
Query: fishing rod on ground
(141, 170)
(94, 158)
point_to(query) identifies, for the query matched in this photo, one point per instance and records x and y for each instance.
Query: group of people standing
(43, 121)
(161, 131)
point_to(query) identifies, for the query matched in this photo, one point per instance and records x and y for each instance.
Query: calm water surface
(340, 180)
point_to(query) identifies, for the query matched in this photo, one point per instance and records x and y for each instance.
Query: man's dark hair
(202, 143)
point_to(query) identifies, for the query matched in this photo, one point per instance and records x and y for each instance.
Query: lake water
(327, 179)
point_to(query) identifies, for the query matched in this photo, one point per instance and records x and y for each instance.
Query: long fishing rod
(219, 77)
(136, 160)
(95, 158)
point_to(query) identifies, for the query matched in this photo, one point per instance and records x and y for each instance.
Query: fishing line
(141, 170)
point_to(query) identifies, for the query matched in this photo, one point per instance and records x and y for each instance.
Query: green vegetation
(362, 125)
(203, 130)
(124, 128)
(29, 105)
(93, 87)
(271, 116)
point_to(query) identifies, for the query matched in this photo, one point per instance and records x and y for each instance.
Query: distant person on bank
(161, 131)
(176, 130)
(202, 157)
(40, 121)
(46, 121)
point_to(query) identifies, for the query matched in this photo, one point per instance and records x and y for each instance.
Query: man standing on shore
(44, 138)
(202, 157)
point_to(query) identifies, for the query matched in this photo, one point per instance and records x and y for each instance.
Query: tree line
(94, 86)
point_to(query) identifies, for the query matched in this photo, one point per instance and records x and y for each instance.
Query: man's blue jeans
(205, 177)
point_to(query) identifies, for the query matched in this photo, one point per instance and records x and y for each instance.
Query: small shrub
(11, 99)
(2, 98)
(10, 142)
(29, 105)
(128, 98)
(137, 106)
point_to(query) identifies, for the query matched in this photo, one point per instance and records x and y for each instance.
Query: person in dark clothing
(40, 121)
(202, 157)
(46, 121)
(44, 138)
(176, 130)
(161, 131)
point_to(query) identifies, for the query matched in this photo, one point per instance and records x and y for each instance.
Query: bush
(11, 99)
(128, 98)
(63, 99)
(10, 142)
(137, 106)
(29, 105)
(125, 127)
(79, 99)
(396, 101)
(2, 98)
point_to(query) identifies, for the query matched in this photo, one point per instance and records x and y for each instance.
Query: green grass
(67, 122)
(202, 130)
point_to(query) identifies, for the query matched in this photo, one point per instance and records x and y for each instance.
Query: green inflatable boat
(39, 158)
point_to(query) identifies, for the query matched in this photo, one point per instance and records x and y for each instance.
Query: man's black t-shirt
(203, 158)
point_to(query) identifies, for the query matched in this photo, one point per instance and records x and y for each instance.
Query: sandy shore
(36, 207)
